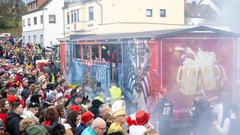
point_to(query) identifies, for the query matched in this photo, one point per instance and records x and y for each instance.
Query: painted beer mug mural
(199, 72)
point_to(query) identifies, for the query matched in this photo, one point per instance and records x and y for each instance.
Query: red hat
(142, 117)
(11, 99)
(131, 120)
(75, 108)
(67, 96)
(87, 116)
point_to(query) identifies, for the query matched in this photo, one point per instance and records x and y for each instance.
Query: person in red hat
(131, 120)
(11, 99)
(140, 124)
(86, 121)
(142, 118)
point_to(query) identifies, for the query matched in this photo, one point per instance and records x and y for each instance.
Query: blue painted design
(78, 69)
(132, 73)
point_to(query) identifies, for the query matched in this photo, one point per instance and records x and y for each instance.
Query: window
(149, 12)
(23, 39)
(35, 20)
(85, 53)
(41, 17)
(35, 4)
(71, 16)
(95, 53)
(68, 18)
(77, 51)
(34, 38)
(90, 13)
(41, 39)
(23, 23)
(75, 16)
(162, 12)
(52, 18)
(78, 15)
(29, 21)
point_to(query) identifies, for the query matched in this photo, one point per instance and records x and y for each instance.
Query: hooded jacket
(13, 120)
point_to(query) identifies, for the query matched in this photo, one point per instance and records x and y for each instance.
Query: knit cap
(36, 130)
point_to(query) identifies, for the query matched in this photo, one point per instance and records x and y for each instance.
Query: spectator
(36, 130)
(86, 121)
(71, 122)
(60, 109)
(25, 123)
(98, 127)
(25, 93)
(118, 121)
(4, 106)
(106, 113)
(95, 107)
(51, 117)
(32, 111)
(58, 129)
(13, 119)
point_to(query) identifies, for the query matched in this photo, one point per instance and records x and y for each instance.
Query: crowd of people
(36, 101)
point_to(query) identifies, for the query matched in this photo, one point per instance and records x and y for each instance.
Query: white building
(43, 24)
(118, 16)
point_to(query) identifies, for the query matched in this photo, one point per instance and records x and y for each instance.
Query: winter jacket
(80, 128)
(13, 120)
(88, 131)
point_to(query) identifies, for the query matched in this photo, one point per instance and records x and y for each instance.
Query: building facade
(112, 16)
(43, 24)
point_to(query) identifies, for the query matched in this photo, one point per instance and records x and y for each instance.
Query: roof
(152, 34)
(76, 2)
(40, 7)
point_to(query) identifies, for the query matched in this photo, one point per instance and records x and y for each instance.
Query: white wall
(32, 27)
(37, 34)
(53, 31)
(135, 11)
(50, 31)
(126, 16)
